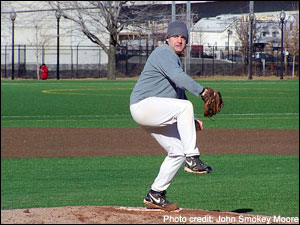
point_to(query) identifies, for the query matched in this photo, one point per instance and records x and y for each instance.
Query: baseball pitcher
(159, 105)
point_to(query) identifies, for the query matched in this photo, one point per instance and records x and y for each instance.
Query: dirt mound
(130, 215)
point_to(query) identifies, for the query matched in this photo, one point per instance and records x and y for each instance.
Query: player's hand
(198, 125)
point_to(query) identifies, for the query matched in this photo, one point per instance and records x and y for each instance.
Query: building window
(275, 34)
(265, 33)
(226, 46)
(236, 45)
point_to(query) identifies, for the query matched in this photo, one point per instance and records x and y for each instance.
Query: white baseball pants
(171, 122)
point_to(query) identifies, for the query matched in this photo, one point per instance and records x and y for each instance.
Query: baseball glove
(213, 102)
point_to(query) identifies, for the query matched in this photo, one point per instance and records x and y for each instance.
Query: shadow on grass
(237, 210)
(242, 210)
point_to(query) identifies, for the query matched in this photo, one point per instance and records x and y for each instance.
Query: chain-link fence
(91, 61)
(75, 62)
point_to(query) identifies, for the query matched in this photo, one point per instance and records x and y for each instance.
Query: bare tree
(241, 28)
(5, 20)
(96, 19)
(102, 21)
(39, 41)
(41, 33)
(34, 21)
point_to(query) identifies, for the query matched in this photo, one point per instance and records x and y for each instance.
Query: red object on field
(44, 70)
(272, 67)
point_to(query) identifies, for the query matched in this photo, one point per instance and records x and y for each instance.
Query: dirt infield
(128, 215)
(79, 142)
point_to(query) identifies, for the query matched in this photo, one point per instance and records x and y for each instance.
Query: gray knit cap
(177, 28)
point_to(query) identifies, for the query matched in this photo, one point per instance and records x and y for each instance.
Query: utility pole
(251, 18)
(57, 15)
(13, 16)
(188, 47)
(282, 17)
(173, 11)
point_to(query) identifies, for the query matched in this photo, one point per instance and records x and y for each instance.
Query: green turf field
(261, 184)
(258, 184)
(271, 104)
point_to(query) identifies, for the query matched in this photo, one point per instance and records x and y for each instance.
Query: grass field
(261, 184)
(271, 104)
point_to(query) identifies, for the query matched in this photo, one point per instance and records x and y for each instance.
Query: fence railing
(91, 61)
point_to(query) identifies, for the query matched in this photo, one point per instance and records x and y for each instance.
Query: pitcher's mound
(127, 215)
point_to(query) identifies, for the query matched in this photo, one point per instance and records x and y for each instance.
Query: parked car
(204, 55)
(201, 55)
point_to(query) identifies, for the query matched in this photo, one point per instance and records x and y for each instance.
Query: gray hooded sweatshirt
(164, 76)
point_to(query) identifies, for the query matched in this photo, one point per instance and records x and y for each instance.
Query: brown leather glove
(213, 102)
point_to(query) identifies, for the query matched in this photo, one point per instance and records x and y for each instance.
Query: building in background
(222, 31)
(36, 33)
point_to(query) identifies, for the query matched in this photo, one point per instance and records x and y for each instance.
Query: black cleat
(194, 165)
(157, 200)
